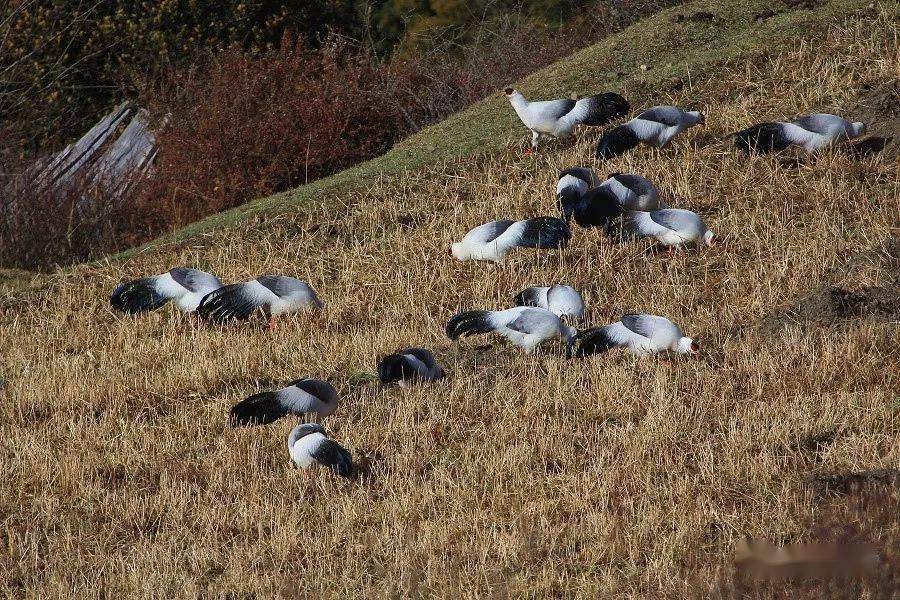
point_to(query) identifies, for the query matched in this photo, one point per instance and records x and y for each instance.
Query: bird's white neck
(518, 101)
(857, 129)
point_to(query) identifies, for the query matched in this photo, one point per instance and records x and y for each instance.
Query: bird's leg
(535, 136)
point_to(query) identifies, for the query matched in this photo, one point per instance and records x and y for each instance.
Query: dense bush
(245, 124)
(63, 63)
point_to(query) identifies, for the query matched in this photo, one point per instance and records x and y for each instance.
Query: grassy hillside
(676, 50)
(516, 475)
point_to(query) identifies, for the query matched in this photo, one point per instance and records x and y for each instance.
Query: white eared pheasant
(672, 227)
(271, 295)
(640, 334)
(599, 206)
(309, 446)
(557, 118)
(493, 240)
(655, 126)
(812, 132)
(409, 366)
(186, 287)
(525, 326)
(560, 299)
(296, 398)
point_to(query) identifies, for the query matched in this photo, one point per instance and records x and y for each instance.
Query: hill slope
(516, 474)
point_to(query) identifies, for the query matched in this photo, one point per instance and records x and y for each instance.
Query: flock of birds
(624, 205)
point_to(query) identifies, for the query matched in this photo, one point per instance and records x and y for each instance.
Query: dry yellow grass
(516, 475)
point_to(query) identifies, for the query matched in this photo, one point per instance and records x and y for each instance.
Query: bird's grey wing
(821, 123)
(530, 320)
(321, 390)
(670, 116)
(682, 221)
(640, 324)
(283, 286)
(334, 456)
(640, 223)
(488, 232)
(194, 279)
(551, 110)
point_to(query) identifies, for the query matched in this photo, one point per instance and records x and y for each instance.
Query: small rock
(645, 67)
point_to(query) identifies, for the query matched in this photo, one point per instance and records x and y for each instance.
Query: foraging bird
(672, 227)
(525, 326)
(599, 204)
(560, 299)
(557, 118)
(273, 295)
(633, 192)
(574, 182)
(493, 240)
(296, 398)
(813, 132)
(309, 445)
(186, 287)
(655, 126)
(409, 366)
(640, 334)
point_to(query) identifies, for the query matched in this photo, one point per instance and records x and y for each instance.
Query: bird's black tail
(136, 296)
(470, 322)
(590, 341)
(259, 409)
(616, 141)
(545, 232)
(393, 368)
(528, 297)
(598, 208)
(605, 107)
(761, 139)
(225, 304)
(566, 200)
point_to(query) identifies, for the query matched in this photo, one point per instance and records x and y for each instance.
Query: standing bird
(296, 398)
(672, 227)
(493, 240)
(186, 287)
(641, 334)
(560, 299)
(557, 118)
(409, 366)
(273, 295)
(525, 326)
(633, 192)
(655, 126)
(812, 132)
(308, 445)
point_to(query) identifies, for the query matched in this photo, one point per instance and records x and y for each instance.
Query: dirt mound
(867, 286)
(879, 109)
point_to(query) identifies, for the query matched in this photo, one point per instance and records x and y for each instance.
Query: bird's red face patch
(695, 348)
